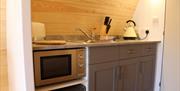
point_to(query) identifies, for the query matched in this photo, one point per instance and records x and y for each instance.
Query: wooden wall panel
(2, 25)
(62, 17)
(3, 62)
(3, 72)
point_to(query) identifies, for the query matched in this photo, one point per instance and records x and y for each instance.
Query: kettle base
(129, 38)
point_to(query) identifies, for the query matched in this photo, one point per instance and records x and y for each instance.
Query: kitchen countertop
(81, 44)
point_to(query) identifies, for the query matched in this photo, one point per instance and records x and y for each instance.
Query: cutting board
(50, 42)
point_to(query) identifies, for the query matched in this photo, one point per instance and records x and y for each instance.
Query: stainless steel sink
(101, 41)
(93, 41)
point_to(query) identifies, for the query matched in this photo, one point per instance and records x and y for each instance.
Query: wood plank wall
(3, 62)
(62, 17)
(2, 24)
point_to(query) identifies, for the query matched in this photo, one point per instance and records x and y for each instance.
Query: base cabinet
(134, 71)
(102, 77)
(128, 75)
(147, 73)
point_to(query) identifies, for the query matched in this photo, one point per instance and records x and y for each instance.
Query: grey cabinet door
(128, 75)
(102, 77)
(147, 73)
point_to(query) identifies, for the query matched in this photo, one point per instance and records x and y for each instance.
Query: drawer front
(103, 54)
(149, 49)
(130, 51)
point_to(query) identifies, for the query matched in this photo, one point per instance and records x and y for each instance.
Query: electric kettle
(130, 32)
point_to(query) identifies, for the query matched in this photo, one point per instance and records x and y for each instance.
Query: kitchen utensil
(106, 20)
(107, 23)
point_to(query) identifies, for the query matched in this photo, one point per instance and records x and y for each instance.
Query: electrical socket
(147, 31)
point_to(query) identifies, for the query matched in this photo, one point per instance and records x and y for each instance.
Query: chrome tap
(91, 36)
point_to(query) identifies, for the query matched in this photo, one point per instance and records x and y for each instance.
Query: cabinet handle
(117, 78)
(117, 73)
(140, 68)
(149, 49)
(131, 51)
(115, 81)
(120, 73)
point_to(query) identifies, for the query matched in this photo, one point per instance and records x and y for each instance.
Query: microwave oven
(53, 66)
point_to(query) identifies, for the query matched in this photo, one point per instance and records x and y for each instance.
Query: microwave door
(55, 66)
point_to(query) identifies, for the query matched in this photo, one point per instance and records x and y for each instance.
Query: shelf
(61, 85)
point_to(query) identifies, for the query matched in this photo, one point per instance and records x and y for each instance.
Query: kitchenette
(88, 45)
(103, 66)
(92, 48)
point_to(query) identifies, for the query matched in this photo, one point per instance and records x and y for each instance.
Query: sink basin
(93, 41)
(100, 41)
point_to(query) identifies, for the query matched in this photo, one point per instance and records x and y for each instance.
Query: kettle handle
(131, 21)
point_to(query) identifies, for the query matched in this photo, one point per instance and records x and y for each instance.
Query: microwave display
(55, 66)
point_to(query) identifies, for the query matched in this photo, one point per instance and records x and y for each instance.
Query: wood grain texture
(2, 4)
(3, 72)
(62, 17)
(3, 62)
(2, 24)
